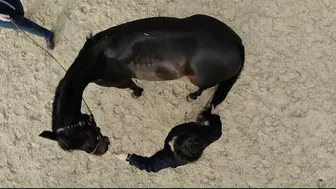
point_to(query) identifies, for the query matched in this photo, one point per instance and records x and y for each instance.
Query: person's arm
(160, 160)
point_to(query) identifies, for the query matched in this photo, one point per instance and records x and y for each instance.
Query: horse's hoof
(135, 96)
(190, 98)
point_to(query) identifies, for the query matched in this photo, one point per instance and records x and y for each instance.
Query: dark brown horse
(199, 47)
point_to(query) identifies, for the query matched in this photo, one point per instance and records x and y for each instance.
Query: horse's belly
(158, 71)
(155, 76)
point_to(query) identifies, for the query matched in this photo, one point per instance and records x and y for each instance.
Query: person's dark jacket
(166, 158)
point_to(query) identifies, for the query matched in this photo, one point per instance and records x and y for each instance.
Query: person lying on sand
(13, 10)
(184, 144)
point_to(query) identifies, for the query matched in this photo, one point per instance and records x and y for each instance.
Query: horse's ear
(49, 135)
(89, 36)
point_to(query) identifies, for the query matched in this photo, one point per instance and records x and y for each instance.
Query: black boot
(51, 42)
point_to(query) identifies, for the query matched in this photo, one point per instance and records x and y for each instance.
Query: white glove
(4, 17)
(214, 110)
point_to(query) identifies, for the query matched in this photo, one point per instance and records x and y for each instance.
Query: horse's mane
(83, 53)
(90, 42)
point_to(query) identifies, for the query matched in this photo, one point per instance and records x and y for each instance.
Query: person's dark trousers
(25, 24)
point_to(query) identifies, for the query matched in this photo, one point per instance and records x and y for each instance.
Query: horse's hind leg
(203, 81)
(202, 86)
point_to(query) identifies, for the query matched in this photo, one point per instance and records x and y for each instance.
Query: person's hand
(214, 110)
(4, 17)
(122, 157)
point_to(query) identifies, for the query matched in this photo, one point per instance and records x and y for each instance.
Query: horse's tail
(222, 89)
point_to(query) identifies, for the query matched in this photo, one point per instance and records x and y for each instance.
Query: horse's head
(85, 135)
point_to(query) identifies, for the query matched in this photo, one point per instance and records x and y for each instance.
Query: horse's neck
(68, 98)
(67, 103)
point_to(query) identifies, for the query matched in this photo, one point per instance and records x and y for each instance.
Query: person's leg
(6, 25)
(29, 26)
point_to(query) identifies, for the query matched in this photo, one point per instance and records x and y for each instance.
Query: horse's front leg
(137, 91)
(193, 96)
(122, 84)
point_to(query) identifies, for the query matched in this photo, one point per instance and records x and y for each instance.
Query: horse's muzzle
(106, 140)
(102, 146)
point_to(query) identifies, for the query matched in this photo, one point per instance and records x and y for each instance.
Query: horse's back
(164, 48)
(214, 26)
(171, 55)
(196, 22)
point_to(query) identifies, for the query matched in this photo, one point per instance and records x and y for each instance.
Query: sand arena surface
(278, 120)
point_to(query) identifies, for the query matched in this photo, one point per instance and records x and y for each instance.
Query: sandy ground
(278, 120)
